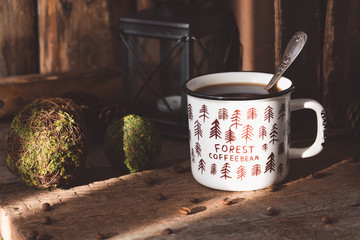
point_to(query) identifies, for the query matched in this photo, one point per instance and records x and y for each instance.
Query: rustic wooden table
(126, 207)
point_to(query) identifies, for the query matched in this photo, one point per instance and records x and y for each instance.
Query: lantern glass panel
(161, 55)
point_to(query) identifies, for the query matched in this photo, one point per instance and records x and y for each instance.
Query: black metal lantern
(166, 46)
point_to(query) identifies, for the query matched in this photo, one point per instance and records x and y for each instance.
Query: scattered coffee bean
(46, 207)
(270, 211)
(31, 234)
(355, 205)
(167, 231)
(43, 236)
(184, 210)
(45, 220)
(160, 197)
(194, 200)
(179, 169)
(99, 236)
(326, 220)
(273, 188)
(150, 180)
(226, 201)
(318, 175)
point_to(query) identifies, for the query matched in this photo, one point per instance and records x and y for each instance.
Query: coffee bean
(184, 210)
(179, 169)
(326, 220)
(273, 188)
(43, 236)
(99, 236)
(150, 180)
(45, 220)
(167, 231)
(194, 200)
(46, 207)
(318, 175)
(160, 197)
(31, 234)
(270, 211)
(226, 201)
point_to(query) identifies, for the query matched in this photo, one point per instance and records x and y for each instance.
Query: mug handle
(317, 146)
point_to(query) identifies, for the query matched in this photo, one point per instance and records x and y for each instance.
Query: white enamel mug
(244, 144)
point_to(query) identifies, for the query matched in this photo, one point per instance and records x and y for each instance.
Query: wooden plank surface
(17, 91)
(125, 207)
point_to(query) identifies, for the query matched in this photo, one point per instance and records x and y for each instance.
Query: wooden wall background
(45, 37)
(328, 67)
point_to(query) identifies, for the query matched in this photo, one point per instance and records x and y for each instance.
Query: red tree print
(223, 114)
(215, 129)
(269, 114)
(262, 132)
(256, 170)
(282, 112)
(247, 133)
(198, 149)
(192, 155)
(281, 148)
(201, 166)
(213, 169)
(225, 171)
(324, 123)
(270, 165)
(241, 173)
(273, 134)
(204, 112)
(190, 112)
(251, 113)
(280, 169)
(265, 147)
(235, 118)
(198, 131)
(230, 136)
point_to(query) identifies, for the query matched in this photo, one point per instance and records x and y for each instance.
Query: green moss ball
(132, 143)
(46, 144)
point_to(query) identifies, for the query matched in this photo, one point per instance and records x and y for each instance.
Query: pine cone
(96, 113)
(353, 118)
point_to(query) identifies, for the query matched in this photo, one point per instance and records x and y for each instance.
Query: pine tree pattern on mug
(239, 128)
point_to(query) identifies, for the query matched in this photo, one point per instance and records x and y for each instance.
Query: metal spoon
(292, 50)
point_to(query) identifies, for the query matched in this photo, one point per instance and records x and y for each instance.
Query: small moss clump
(46, 144)
(132, 143)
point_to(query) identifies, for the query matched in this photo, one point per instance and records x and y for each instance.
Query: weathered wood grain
(18, 37)
(307, 16)
(125, 207)
(305, 72)
(79, 35)
(341, 53)
(17, 91)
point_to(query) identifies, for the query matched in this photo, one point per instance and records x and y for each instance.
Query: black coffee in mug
(236, 90)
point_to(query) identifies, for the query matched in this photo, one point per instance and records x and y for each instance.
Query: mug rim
(193, 93)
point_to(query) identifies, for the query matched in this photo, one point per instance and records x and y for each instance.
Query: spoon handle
(292, 50)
